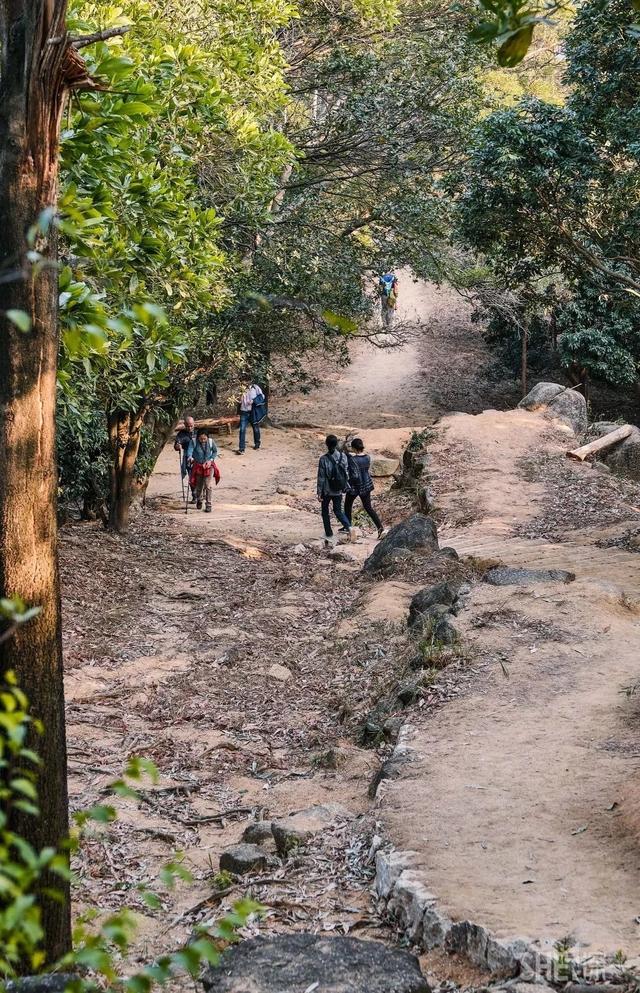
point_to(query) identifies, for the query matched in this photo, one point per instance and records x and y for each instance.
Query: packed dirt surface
(244, 658)
(519, 800)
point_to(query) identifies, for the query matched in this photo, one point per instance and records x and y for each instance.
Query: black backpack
(355, 478)
(338, 479)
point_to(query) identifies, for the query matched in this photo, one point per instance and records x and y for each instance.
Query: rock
(417, 532)
(395, 560)
(293, 963)
(240, 859)
(625, 457)
(279, 672)
(558, 401)
(382, 467)
(392, 725)
(258, 833)
(478, 945)
(449, 553)
(442, 593)
(408, 692)
(446, 633)
(343, 554)
(298, 828)
(48, 982)
(504, 576)
(299, 549)
(426, 621)
(287, 491)
(425, 500)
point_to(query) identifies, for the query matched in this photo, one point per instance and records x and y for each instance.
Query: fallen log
(601, 444)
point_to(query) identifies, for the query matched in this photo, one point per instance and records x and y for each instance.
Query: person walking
(388, 287)
(202, 453)
(253, 408)
(185, 437)
(361, 484)
(333, 482)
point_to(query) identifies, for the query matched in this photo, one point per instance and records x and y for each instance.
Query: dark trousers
(245, 420)
(338, 511)
(366, 503)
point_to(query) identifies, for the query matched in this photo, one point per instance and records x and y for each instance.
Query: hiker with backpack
(253, 410)
(361, 483)
(184, 437)
(333, 483)
(388, 287)
(203, 469)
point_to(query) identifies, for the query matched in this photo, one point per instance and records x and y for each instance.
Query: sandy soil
(516, 807)
(516, 810)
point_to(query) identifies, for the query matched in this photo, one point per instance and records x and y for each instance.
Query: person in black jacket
(361, 484)
(333, 481)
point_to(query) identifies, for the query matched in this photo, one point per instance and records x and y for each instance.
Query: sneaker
(382, 532)
(343, 530)
(207, 510)
(199, 504)
(193, 498)
(238, 452)
(329, 542)
(256, 448)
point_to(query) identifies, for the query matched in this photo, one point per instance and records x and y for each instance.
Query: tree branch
(92, 39)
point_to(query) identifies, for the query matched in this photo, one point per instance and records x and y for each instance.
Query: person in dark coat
(333, 482)
(185, 437)
(361, 484)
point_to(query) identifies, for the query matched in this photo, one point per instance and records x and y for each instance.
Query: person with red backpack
(361, 483)
(333, 483)
(201, 456)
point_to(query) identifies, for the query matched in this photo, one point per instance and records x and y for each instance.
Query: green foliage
(98, 955)
(550, 196)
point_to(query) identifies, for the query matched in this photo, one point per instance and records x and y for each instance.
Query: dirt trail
(516, 803)
(231, 650)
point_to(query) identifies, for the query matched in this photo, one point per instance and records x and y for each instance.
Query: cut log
(600, 444)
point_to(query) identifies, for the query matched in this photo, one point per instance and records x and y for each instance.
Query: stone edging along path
(416, 910)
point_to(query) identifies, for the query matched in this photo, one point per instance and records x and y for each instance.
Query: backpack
(338, 478)
(387, 285)
(355, 478)
(259, 408)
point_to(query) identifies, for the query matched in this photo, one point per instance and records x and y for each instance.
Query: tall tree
(37, 66)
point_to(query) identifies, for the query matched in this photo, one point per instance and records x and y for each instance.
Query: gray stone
(243, 858)
(389, 868)
(257, 833)
(442, 593)
(477, 945)
(505, 576)
(48, 982)
(425, 500)
(408, 902)
(625, 457)
(449, 553)
(408, 692)
(382, 467)
(446, 633)
(299, 828)
(394, 561)
(293, 963)
(427, 622)
(557, 401)
(391, 728)
(417, 532)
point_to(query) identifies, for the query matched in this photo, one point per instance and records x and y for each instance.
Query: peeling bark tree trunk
(34, 67)
(124, 439)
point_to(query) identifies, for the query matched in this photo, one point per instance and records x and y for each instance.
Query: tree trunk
(124, 438)
(524, 363)
(33, 66)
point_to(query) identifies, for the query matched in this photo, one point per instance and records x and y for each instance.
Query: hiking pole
(181, 475)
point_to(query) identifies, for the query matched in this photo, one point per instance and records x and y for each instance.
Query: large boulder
(625, 457)
(292, 963)
(243, 858)
(559, 402)
(382, 467)
(417, 532)
(446, 593)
